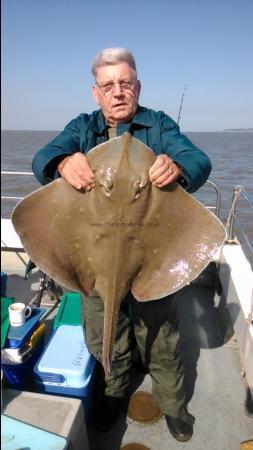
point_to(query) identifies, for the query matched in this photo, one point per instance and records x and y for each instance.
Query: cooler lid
(16, 435)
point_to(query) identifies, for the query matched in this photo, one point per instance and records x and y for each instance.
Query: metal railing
(231, 222)
(234, 226)
(216, 207)
(232, 218)
(8, 172)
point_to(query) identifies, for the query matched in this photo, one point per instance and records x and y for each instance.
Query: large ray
(123, 234)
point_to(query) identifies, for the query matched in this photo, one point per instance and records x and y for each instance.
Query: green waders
(153, 326)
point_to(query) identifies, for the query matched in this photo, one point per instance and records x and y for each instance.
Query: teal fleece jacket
(154, 128)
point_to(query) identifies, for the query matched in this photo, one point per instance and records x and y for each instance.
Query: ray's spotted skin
(124, 234)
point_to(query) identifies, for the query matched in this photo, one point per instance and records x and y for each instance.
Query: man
(153, 325)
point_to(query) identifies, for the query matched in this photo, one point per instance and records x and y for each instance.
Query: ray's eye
(108, 185)
(138, 187)
(106, 180)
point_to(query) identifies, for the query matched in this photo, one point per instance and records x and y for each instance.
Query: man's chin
(122, 116)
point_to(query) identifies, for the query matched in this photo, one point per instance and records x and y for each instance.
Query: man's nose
(117, 89)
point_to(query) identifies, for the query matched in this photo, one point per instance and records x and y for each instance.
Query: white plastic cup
(18, 313)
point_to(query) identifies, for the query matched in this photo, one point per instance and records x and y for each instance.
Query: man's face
(117, 92)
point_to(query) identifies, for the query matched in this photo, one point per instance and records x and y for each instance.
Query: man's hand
(76, 171)
(164, 171)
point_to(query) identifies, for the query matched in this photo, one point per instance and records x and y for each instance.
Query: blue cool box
(17, 336)
(66, 367)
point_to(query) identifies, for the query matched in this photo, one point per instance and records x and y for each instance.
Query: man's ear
(138, 88)
(95, 94)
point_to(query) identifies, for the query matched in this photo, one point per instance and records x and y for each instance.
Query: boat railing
(232, 222)
(234, 226)
(8, 172)
(216, 207)
(232, 218)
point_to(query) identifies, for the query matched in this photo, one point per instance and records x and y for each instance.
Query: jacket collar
(98, 124)
(141, 117)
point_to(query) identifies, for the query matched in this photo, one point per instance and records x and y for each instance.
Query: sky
(206, 45)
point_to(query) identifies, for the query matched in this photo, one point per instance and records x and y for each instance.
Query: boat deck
(217, 392)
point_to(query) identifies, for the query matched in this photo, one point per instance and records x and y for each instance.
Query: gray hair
(111, 56)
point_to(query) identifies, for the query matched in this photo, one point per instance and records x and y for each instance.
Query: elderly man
(116, 90)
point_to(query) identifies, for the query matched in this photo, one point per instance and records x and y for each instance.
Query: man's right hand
(76, 171)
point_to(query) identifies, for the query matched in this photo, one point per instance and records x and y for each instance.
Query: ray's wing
(181, 237)
(51, 226)
(55, 221)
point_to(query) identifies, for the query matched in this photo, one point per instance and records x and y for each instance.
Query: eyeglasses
(124, 85)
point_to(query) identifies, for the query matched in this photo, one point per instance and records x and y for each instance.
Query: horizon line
(183, 131)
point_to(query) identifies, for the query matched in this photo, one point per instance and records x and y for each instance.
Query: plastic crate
(21, 375)
(70, 311)
(20, 354)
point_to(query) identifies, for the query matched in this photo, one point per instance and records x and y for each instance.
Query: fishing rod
(181, 104)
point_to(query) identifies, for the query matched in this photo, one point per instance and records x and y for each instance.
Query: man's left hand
(164, 171)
